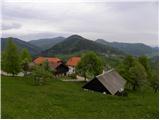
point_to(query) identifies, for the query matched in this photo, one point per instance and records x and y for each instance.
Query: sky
(132, 21)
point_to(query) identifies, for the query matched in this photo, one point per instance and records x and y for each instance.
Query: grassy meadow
(59, 99)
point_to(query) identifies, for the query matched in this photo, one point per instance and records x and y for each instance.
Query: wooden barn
(109, 82)
(61, 69)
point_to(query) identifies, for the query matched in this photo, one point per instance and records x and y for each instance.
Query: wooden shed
(109, 82)
(61, 69)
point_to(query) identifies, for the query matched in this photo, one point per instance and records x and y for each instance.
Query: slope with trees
(136, 49)
(76, 43)
(47, 43)
(33, 50)
(138, 73)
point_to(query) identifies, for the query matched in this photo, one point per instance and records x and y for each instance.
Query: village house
(72, 63)
(110, 82)
(55, 63)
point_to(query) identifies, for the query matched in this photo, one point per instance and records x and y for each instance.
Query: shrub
(40, 75)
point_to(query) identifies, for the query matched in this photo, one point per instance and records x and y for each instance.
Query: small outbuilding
(109, 82)
(61, 69)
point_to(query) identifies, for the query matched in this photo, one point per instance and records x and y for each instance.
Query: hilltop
(76, 43)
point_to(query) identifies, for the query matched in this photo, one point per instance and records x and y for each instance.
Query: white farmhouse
(72, 63)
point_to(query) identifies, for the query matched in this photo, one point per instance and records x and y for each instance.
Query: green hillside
(34, 50)
(76, 43)
(58, 99)
(46, 43)
(135, 49)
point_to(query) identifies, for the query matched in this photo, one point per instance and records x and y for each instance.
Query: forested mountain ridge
(46, 43)
(76, 43)
(135, 49)
(34, 50)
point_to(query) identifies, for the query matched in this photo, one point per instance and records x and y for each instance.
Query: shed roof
(55, 65)
(112, 81)
(73, 61)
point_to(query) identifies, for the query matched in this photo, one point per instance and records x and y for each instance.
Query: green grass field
(58, 99)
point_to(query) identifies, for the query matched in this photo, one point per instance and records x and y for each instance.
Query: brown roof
(112, 81)
(55, 65)
(73, 61)
(40, 60)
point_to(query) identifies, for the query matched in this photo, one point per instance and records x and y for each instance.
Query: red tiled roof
(54, 60)
(73, 61)
(40, 60)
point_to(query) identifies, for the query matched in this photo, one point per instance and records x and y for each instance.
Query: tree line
(136, 71)
(14, 61)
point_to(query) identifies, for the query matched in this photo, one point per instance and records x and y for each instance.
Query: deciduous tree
(133, 71)
(90, 64)
(25, 60)
(11, 58)
(138, 75)
(40, 75)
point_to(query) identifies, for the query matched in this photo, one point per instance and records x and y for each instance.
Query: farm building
(41, 60)
(61, 69)
(55, 63)
(109, 82)
(71, 63)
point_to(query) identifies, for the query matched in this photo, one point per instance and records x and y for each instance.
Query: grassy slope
(60, 99)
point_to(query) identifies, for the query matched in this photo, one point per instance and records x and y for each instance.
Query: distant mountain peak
(75, 36)
(77, 44)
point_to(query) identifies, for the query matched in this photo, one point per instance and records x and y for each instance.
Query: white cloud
(112, 21)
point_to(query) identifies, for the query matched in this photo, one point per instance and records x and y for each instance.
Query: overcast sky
(113, 21)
